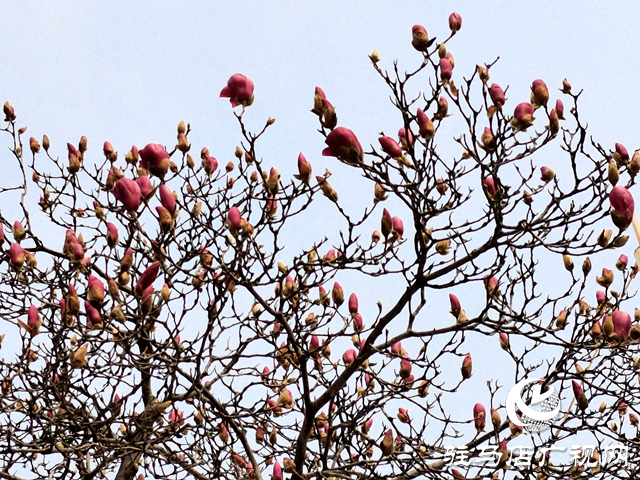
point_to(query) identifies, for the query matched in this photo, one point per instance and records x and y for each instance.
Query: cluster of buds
(324, 110)
(237, 224)
(74, 249)
(391, 226)
(76, 155)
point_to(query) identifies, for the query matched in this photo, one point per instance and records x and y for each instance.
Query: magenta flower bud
(523, 116)
(353, 303)
(560, 109)
(147, 278)
(446, 69)
(425, 125)
(386, 224)
(405, 139)
(455, 22)
(358, 323)
(455, 305)
(546, 174)
(621, 324)
(155, 159)
(95, 284)
(397, 226)
(304, 169)
(112, 235)
(490, 185)
(330, 256)
(390, 147)
(622, 207)
(396, 348)
(1, 234)
(33, 318)
(622, 152)
(16, 255)
(497, 95)
(504, 341)
(349, 356)
(405, 368)
(490, 283)
(343, 144)
(239, 90)
(367, 425)
(234, 217)
(539, 92)
(622, 262)
(479, 417)
(18, 231)
(315, 342)
(128, 193)
(167, 199)
(144, 183)
(93, 315)
(72, 150)
(467, 366)
(277, 471)
(601, 297)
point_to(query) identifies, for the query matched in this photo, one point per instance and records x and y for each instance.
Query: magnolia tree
(158, 327)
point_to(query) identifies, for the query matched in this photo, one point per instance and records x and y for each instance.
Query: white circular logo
(533, 420)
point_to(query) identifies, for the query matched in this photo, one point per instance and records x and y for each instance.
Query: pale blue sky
(128, 72)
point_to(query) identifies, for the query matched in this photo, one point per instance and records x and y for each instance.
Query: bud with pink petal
(425, 125)
(19, 233)
(621, 324)
(546, 174)
(403, 415)
(490, 186)
(128, 193)
(622, 262)
(390, 147)
(349, 356)
(622, 207)
(523, 116)
(304, 169)
(446, 70)
(167, 199)
(539, 93)
(337, 294)
(239, 90)
(94, 319)
(455, 305)
(560, 109)
(420, 38)
(405, 368)
(467, 366)
(397, 226)
(155, 159)
(386, 224)
(112, 235)
(581, 398)
(147, 278)
(504, 341)
(620, 155)
(479, 417)
(16, 256)
(95, 290)
(343, 144)
(497, 95)
(358, 323)
(353, 304)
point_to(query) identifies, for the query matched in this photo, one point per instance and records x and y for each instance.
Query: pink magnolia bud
(497, 95)
(621, 324)
(622, 262)
(93, 315)
(420, 39)
(455, 22)
(343, 144)
(144, 183)
(504, 341)
(396, 348)
(467, 366)
(167, 199)
(386, 224)
(33, 319)
(455, 305)
(277, 471)
(353, 303)
(234, 217)
(349, 356)
(425, 125)
(176, 416)
(95, 290)
(390, 147)
(479, 417)
(601, 297)
(18, 231)
(315, 342)
(397, 226)
(16, 256)
(128, 193)
(621, 154)
(265, 372)
(490, 283)
(366, 426)
(457, 475)
(403, 415)
(622, 207)
(304, 169)
(337, 294)
(112, 235)
(1, 234)
(405, 140)
(546, 174)
(523, 116)
(560, 109)
(239, 90)
(358, 323)
(155, 159)
(147, 278)
(581, 398)
(490, 185)
(539, 93)
(446, 69)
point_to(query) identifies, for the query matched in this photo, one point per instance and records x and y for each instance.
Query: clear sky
(128, 72)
